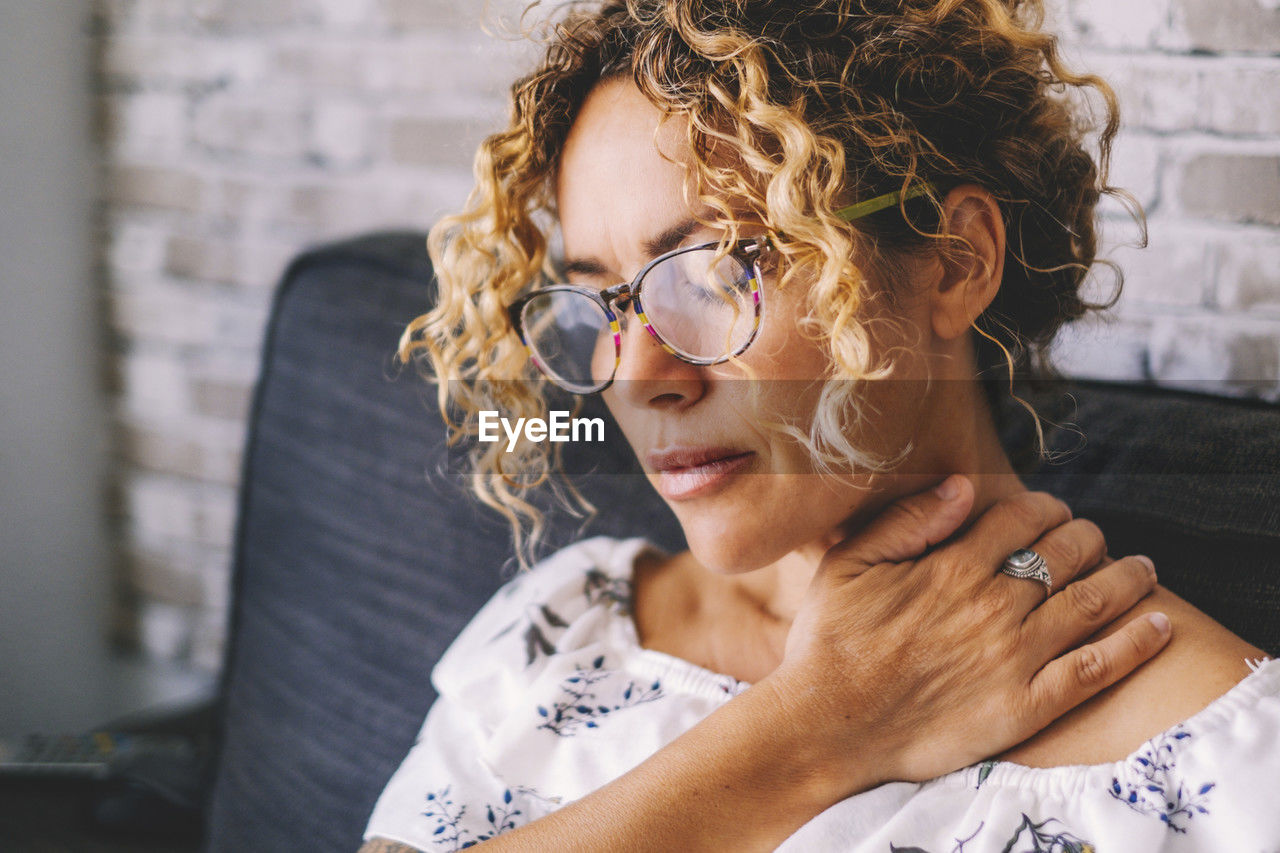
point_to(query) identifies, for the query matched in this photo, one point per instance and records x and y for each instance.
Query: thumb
(910, 526)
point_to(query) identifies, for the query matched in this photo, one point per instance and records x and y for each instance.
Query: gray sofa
(357, 562)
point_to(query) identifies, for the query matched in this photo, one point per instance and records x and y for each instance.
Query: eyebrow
(667, 241)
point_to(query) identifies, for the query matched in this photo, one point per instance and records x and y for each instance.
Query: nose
(649, 376)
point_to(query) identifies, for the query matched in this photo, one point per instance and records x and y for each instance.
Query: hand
(919, 662)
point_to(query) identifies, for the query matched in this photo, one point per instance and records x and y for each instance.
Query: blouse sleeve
(443, 797)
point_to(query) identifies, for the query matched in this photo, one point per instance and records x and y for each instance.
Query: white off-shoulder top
(547, 695)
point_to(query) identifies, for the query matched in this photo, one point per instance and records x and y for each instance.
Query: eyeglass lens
(701, 307)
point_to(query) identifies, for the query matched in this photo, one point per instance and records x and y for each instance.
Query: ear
(971, 279)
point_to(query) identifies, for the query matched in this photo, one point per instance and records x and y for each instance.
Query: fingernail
(1161, 623)
(1148, 562)
(948, 489)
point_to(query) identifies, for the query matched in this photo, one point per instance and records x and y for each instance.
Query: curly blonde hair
(814, 105)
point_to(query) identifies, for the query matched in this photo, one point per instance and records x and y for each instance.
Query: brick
(154, 383)
(144, 125)
(1106, 348)
(444, 143)
(249, 15)
(436, 14)
(165, 511)
(164, 630)
(346, 14)
(1218, 355)
(116, 16)
(153, 186)
(325, 65)
(252, 264)
(215, 577)
(1242, 99)
(248, 205)
(135, 247)
(1223, 25)
(159, 577)
(251, 127)
(223, 399)
(1155, 92)
(168, 313)
(182, 61)
(325, 204)
(1135, 166)
(1106, 23)
(1232, 187)
(1248, 274)
(1171, 271)
(165, 316)
(202, 450)
(462, 64)
(208, 645)
(340, 134)
(368, 204)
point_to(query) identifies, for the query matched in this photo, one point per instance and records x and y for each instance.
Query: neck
(970, 445)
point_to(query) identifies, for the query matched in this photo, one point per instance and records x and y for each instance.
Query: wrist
(835, 755)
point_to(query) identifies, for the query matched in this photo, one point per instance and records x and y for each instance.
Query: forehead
(620, 178)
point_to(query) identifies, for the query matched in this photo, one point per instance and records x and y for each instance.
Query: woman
(833, 221)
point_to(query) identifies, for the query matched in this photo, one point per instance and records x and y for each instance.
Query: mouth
(685, 473)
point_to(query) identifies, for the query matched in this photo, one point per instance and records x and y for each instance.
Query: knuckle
(1087, 600)
(1025, 510)
(1063, 510)
(1136, 642)
(1063, 552)
(998, 601)
(953, 570)
(910, 512)
(1091, 667)
(1089, 543)
(1091, 533)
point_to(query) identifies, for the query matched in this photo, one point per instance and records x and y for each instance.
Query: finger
(1067, 550)
(1014, 522)
(1086, 605)
(1069, 680)
(910, 526)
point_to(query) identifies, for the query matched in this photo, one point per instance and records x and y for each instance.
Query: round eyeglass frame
(747, 251)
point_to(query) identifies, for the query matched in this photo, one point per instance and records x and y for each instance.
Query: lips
(686, 472)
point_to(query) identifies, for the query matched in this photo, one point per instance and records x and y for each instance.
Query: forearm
(744, 777)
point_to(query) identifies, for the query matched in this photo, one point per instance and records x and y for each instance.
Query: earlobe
(971, 277)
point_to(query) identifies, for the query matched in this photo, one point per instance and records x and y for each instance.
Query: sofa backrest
(357, 563)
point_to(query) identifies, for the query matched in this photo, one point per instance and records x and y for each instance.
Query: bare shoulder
(382, 845)
(1202, 661)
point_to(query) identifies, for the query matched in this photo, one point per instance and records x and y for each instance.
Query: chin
(729, 546)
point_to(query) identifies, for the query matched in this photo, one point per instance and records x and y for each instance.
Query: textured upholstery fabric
(354, 569)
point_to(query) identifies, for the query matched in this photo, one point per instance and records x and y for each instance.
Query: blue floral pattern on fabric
(582, 708)
(1028, 837)
(599, 587)
(449, 833)
(1151, 786)
(542, 621)
(984, 770)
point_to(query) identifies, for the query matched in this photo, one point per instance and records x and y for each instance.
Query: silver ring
(1025, 563)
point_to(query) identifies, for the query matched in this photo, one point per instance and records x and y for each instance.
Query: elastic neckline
(682, 674)
(1069, 780)
(1065, 781)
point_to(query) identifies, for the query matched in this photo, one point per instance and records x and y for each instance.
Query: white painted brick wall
(236, 132)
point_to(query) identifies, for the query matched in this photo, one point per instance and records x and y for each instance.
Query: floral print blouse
(547, 695)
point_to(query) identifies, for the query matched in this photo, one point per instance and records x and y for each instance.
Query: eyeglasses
(699, 304)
